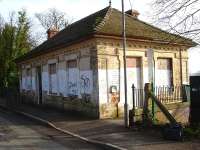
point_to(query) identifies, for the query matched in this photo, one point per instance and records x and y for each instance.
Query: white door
(133, 76)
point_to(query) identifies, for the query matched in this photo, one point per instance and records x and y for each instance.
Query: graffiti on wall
(73, 89)
(86, 82)
(73, 81)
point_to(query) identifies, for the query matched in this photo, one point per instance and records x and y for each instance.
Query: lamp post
(124, 59)
(151, 70)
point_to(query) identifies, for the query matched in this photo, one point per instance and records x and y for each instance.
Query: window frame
(67, 67)
(50, 72)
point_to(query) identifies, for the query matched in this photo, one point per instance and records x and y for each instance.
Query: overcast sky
(74, 8)
(78, 9)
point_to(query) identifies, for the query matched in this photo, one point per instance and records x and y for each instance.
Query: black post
(133, 92)
(132, 112)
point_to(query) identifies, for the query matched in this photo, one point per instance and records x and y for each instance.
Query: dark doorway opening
(39, 85)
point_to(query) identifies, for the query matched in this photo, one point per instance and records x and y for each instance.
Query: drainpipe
(119, 90)
(181, 71)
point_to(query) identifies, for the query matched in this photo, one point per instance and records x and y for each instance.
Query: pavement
(111, 132)
(20, 133)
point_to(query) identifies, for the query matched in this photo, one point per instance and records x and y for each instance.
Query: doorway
(39, 85)
(133, 65)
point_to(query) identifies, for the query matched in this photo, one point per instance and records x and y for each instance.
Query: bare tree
(1, 22)
(53, 18)
(181, 17)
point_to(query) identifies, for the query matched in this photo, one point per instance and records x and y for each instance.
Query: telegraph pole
(124, 58)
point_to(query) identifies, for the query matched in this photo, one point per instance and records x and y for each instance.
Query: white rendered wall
(34, 79)
(62, 78)
(45, 78)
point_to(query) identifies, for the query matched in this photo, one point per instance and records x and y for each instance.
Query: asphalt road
(20, 133)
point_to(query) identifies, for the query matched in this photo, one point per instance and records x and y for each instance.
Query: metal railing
(173, 94)
(165, 94)
(139, 97)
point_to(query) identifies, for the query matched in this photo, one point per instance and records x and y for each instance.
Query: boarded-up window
(164, 72)
(133, 62)
(52, 69)
(45, 78)
(72, 64)
(73, 75)
(28, 79)
(164, 64)
(33, 74)
(23, 79)
(53, 79)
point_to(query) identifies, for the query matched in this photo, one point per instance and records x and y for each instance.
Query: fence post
(153, 103)
(133, 92)
(147, 91)
(132, 112)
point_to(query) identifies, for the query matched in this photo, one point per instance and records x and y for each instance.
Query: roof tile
(106, 22)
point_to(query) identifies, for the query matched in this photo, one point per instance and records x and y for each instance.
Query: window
(73, 75)
(28, 79)
(133, 71)
(23, 79)
(164, 75)
(52, 79)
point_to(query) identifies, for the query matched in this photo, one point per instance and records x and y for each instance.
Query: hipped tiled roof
(105, 22)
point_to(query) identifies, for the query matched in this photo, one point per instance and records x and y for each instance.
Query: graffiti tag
(73, 88)
(85, 82)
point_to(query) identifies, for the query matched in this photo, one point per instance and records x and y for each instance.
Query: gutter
(143, 39)
(37, 52)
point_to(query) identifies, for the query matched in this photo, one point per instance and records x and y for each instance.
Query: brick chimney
(52, 32)
(133, 13)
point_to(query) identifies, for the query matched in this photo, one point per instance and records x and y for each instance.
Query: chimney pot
(133, 13)
(51, 32)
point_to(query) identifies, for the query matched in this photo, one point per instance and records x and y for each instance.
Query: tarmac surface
(19, 133)
(105, 131)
